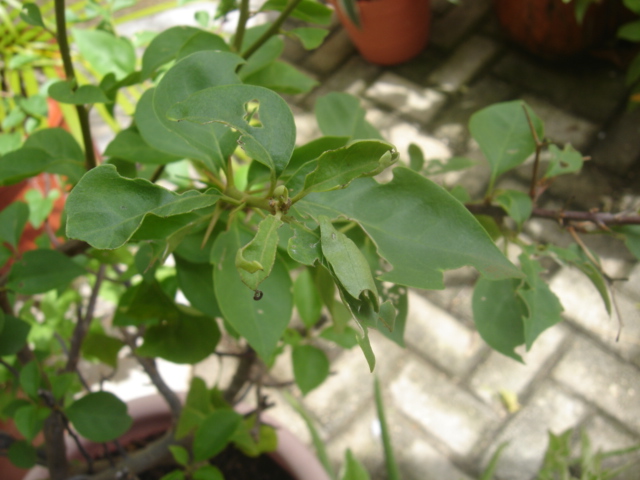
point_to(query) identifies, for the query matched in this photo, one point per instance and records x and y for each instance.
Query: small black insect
(257, 295)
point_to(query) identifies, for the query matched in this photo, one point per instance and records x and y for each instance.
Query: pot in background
(391, 31)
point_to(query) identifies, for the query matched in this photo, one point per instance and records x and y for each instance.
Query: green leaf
(518, 205)
(13, 335)
(9, 142)
(453, 164)
(64, 92)
(99, 416)
(12, 222)
(310, 37)
(498, 313)
(268, 52)
(195, 281)
(416, 157)
(40, 207)
(345, 338)
(105, 209)
(188, 76)
(353, 469)
(365, 346)
(312, 150)
(30, 379)
(39, 271)
(338, 168)
(389, 457)
(307, 299)
(187, 339)
(174, 475)
(208, 472)
(310, 367)
(105, 52)
(214, 434)
(348, 264)
(543, 306)
(304, 245)
(22, 454)
(631, 238)
(271, 142)
(30, 420)
(281, 77)
(102, 347)
(504, 135)
(419, 228)
(63, 385)
(563, 161)
(252, 445)
(180, 454)
(633, 5)
(630, 31)
(340, 115)
(24, 163)
(255, 260)
(31, 14)
(307, 10)
(260, 322)
(67, 157)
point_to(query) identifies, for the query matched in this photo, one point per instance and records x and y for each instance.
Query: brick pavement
(443, 391)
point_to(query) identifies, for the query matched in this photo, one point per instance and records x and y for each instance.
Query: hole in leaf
(252, 115)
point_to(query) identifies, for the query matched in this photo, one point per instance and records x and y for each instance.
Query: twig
(11, 369)
(242, 25)
(241, 375)
(82, 326)
(55, 447)
(536, 162)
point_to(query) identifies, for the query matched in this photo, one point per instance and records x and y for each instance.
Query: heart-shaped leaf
(99, 416)
(64, 93)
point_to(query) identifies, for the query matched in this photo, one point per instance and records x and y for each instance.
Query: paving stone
(457, 22)
(436, 335)
(464, 64)
(618, 148)
(527, 432)
(601, 378)
(564, 84)
(333, 53)
(502, 374)
(418, 69)
(456, 297)
(350, 388)
(606, 437)
(441, 407)
(562, 127)
(353, 77)
(584, 306)
(409, 99)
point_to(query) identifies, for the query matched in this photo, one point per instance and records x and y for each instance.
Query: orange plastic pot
(549, 27)
(391, 31)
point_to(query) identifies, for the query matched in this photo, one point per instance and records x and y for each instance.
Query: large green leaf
(544, 308)
(307, 299)
(105, 209)
(12, 221)
(304, 245)
(195, 281)
(340, 115)
(39, 271)
(281, 77)
(271, 142)
(261, 322)
(30, 420)
(310, 37)
(187, 339)
(13, 335)
(337, 168)
(99, 416)
(498, 312)
(105, 52)
(310, 367)
(504, 135)
(64, 92)
(194, 73)
(419, 228)
(255, 260)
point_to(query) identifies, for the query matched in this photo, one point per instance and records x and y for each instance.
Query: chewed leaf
(517, 204)
(270, 140)
(255, 260)
(105, 209)
(563, 161)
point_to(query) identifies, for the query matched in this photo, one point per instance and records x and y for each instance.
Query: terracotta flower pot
(549, 27)
(151, 416)
(392, 31)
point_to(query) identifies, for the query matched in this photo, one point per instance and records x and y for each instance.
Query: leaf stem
(273, 29)
(536, 162)
(65, 52)
(242, 26)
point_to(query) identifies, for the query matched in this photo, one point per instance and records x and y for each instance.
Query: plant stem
(242, 26)
(273, 29)
(241, 376)
(536, 162)
(55, 447)
(65, 52)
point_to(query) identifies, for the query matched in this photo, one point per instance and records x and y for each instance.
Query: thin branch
(242, 25)
(273, 29)
(536, 162)
(241, 375)
(65, 53)
(82, 326)
(11, 369)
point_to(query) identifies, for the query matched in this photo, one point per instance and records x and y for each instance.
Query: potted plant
(252, 230)
(560, 28)
(386, 32)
